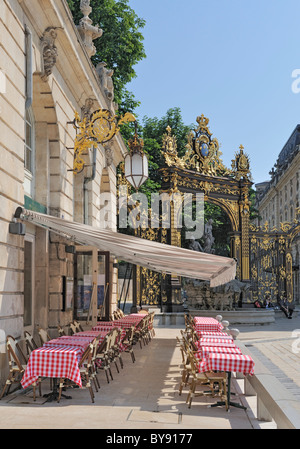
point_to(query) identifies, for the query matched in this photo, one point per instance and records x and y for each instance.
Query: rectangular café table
(54, 362)
(216, 340)
(105, 329)
(207, 324)
(205, 350)
(92, 334)
(79, 342)
(229, 363)
(203, 334)
(224, 344)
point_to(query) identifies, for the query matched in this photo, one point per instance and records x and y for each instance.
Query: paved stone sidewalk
(277, 346)
(144, 395)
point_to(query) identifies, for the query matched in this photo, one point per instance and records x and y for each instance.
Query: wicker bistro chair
(102, 360)
(78, 326)
(85, 367)
(116, 348)
(16, 367)
(93, 368)
(44, 336)
(127, 342)
(61, 331)
(31, 345)
(151, 325)
(75, 327)
(141, 332)
(208, 378)
(187, 347)
(112, 349)
(117, 314)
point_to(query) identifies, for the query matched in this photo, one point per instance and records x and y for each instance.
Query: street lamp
(136, 162)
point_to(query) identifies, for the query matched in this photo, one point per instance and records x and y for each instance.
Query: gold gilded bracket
(99, 129)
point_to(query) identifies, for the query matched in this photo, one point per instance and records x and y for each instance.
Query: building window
(29, 153)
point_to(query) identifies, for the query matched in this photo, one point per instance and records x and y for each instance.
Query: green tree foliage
(153, 130)
(120, 46)
(253, 211)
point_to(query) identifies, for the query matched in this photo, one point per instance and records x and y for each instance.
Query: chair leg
(7, 384)
(132, 356)
(191, 393)
(89, 386)
(121, 361)
(106, 373)
(116, 365)
(61, 384)
(95, 378)
(34, 394)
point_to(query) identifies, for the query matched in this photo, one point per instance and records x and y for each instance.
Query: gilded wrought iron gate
(271, 260)
(151, 289)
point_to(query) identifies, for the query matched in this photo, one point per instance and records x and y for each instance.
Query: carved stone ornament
(109, 156)
(105, 76)
(87, 31)
(86, 110)
(49, 51)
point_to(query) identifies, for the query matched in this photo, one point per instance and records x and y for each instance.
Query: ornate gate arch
(201, 170)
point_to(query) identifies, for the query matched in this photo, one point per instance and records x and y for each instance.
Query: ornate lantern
(136, 162)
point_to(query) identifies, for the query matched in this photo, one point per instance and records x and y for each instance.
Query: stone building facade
(278, 199)
(46, 77)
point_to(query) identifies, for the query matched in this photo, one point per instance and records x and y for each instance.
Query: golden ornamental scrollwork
(286, 226)
(100, 128)
(232, 207)
(169, 149)
(151, 287)
(254, 273)
(203, 155)
(241, 165)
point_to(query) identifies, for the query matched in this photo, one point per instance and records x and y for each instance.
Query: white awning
(156, 256)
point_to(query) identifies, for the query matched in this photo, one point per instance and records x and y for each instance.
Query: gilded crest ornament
(203, 153)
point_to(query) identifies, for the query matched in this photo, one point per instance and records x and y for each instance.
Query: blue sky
(231, 60)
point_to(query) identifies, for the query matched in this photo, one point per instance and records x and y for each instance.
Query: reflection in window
(29, 162)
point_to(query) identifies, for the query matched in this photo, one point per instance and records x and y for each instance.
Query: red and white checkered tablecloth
(56, 362)
(203, 334)
(209, 342)
(215, 340)
(128, 321)
(207, 324)
(79, 342)
(104, 323)
(91, 334)
(105, 329)
(205, 350)
(227, 362)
